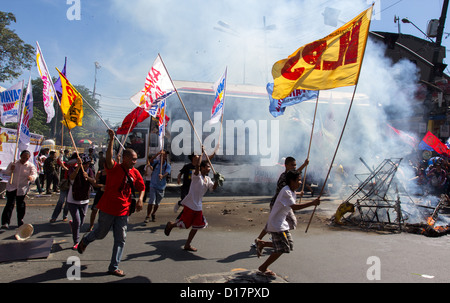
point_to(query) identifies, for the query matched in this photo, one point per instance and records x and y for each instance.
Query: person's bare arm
(109, 163)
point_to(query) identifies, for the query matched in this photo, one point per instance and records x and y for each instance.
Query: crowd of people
(433, 175)
(117, 181)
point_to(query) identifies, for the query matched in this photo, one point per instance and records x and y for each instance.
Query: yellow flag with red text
(71, 104)
(331, 62)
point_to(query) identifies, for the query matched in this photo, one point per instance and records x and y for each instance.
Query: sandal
(267, 273)
(190, 248)
(117, 272)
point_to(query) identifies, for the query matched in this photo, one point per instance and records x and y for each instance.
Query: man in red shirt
(114, 205)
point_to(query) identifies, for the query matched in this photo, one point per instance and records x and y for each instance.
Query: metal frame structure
(378, 196)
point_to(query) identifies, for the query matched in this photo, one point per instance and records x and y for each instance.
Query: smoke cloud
(198, 39)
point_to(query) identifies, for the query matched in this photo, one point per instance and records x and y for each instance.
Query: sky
(196, 39)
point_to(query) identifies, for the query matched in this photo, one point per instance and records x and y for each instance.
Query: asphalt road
(325, 254)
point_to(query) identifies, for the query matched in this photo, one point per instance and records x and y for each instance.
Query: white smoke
(186, 35)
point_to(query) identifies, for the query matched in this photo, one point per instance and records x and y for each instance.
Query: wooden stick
(18, 130)
(187, 114)
(309, 147)
(334, 156)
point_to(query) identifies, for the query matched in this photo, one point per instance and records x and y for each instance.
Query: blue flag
(277, 107)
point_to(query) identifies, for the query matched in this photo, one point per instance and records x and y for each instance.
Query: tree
(14, 53)
(92, 126)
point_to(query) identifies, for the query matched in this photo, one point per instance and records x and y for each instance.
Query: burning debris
(381, 202)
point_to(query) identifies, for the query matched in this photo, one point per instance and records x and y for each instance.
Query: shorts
(155, 196)
(194, 218)
(282, 242)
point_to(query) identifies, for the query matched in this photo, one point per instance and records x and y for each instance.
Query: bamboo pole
(187, 114)
(310, 141)
(334, 156)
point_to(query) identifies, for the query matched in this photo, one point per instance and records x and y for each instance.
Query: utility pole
(437, 47)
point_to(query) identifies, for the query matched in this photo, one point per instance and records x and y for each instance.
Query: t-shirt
(155, 182)
(70, 198)
(148, 170)
(187, 171)
(277, 219)
(199, 186)
(116, 198)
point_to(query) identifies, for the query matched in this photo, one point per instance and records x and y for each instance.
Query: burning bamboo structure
(381, 201)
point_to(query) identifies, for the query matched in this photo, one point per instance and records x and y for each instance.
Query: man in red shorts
(192, 214)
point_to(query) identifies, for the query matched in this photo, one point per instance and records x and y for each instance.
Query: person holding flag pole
(158, 181)
(18, 186)
(217, 175)
(355, 50)
(307, 68)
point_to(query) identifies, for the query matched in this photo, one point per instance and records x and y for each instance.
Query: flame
(439, 229)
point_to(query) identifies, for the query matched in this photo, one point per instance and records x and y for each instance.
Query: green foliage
(15, 55)
(92, 129)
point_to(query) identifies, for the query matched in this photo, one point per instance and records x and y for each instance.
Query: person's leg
(49, 181)
(21, 209)
(151, 202)
(59, 205)
(187, 245)
(104, 223)
(272, 258)
(120, 234)
(281, 243)
(38, 185)
(9, 207)
(94, 212)
(159, 195)
(75, 224)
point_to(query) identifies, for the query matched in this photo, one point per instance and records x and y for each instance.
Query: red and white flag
(158, 86)
(138, 115)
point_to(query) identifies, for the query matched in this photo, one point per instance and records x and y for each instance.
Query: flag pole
(346, 119)
(93, 109)
(334, 156)
(57, 98)
(125, 139)
(309, 147)
(18, 130)
(187, 114)
(59, 103)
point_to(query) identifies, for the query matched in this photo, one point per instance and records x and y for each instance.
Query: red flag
(138, 115)
(430, 141)
(408, 139)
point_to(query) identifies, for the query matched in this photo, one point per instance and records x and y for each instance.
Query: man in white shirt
(277, 224)
(22, 174)
(192, 214)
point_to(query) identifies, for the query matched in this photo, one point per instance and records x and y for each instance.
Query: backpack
(81, 188)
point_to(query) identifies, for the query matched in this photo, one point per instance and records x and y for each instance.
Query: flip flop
(267, 273)
(117, 272)
(190, 248)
